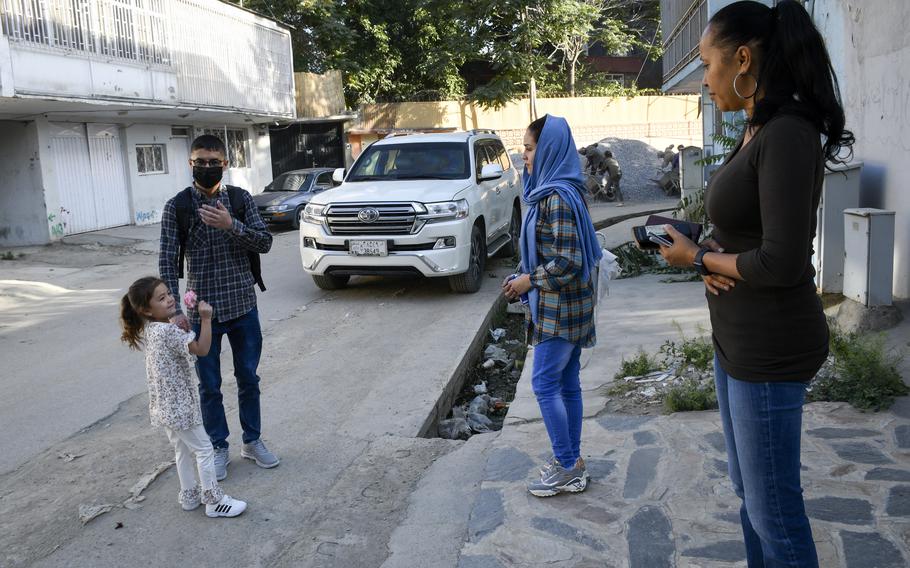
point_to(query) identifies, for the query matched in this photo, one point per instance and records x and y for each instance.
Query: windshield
(288, 182)
(436, 160)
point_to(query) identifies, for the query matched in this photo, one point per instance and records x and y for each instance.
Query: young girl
(145, 312)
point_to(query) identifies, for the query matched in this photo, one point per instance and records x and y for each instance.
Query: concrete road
(349, 378)
(64, 368)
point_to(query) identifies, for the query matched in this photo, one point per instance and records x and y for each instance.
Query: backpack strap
(183, 207)
(238, 207)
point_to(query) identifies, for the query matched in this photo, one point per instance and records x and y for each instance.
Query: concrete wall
(149, 192)
(319, 95)
(658, 121)
(22, 209)
(29, 195)
(870, 51)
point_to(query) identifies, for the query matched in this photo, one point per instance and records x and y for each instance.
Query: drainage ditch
(488, 379)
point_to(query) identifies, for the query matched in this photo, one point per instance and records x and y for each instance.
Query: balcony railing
(134, 30)
(685, 20)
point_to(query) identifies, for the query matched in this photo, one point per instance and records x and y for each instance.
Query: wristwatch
(699, 264)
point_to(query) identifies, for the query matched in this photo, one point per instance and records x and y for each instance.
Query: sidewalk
(660, 495)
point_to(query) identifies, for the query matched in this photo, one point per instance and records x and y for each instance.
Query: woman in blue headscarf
(559, 251)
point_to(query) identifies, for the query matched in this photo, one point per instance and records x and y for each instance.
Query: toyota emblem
(368, 215)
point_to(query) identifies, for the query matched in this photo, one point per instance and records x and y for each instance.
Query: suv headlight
(314, 214)
(445, 210)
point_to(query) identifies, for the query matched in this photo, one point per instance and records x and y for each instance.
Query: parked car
(283, 200)
(431, 204)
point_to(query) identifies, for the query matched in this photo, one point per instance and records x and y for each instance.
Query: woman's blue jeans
(762, 428)
(557, 386)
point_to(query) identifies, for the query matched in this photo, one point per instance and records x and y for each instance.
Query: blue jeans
(557, 386)
(245, 337)
(762, 428)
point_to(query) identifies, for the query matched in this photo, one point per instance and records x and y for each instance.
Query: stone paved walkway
(660, 495)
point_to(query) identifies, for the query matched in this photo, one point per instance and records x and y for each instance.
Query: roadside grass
(865, 374)
(690, 396)
(641, 364)
(860, 371)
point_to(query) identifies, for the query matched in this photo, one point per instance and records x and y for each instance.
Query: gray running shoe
(560, 480)
(545, 468)
(257, 452)
(222, 459)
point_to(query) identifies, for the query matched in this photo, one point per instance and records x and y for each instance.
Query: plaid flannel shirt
(566, 305)
(217, 266)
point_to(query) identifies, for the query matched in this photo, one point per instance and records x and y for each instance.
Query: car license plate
(368, 248)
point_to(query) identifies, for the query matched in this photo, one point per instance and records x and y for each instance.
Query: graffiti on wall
(57, 222)
(146, 217)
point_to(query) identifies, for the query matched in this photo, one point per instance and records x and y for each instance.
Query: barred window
(150, 159)
(235, 139)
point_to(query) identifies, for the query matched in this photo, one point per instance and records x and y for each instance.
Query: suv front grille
(394, 219)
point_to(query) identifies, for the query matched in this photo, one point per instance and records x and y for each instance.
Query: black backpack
(183, 205)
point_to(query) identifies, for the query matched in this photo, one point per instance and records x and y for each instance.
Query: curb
(609, 221)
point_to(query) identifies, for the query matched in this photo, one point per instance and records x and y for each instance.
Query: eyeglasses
(207, 163)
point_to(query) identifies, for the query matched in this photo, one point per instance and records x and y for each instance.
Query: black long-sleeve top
(763, 202)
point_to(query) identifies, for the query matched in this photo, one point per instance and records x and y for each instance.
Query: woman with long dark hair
(769, 330)
(559, 251)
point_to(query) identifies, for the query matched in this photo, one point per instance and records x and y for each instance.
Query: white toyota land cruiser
(430, 204)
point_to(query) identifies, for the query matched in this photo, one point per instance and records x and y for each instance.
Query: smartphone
(657, 239)
(651, 237)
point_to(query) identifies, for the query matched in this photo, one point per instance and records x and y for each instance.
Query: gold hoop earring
(735, 90)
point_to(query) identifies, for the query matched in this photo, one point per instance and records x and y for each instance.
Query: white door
(91, 177)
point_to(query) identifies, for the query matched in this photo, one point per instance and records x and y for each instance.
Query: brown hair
(131, 305)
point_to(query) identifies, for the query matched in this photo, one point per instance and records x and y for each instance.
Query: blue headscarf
(556, 170)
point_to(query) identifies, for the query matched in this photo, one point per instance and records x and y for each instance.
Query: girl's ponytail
(131, 320)
(795, 74)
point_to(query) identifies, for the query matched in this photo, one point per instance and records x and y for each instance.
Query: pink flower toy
(189, 299)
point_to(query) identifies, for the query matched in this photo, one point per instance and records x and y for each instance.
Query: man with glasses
(218, 230)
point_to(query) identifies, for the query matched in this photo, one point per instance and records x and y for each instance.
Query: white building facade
(870, 51)
(100, 99)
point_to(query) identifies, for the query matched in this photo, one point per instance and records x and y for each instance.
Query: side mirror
(338, 175)
(490, 171)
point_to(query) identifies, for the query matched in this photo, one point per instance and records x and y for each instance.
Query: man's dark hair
(608, 154)
(208, 142)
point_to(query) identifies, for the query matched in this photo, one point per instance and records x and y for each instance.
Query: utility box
(868, 256)
(839, 192)
(691, 175)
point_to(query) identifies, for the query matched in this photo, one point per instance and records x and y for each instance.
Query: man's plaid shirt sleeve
(168, 254)
(251, 233)
(560, 245)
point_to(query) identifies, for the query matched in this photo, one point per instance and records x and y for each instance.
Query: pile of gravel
(640, 169)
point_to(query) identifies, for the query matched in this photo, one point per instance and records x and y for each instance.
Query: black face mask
(207, 177)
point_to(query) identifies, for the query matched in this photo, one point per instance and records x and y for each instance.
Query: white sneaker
(227, 507)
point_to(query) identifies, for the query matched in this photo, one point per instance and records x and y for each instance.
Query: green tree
(525, 39)
(391, 50)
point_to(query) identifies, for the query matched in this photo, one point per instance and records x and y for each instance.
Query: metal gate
(91, 177)
(298, 146)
